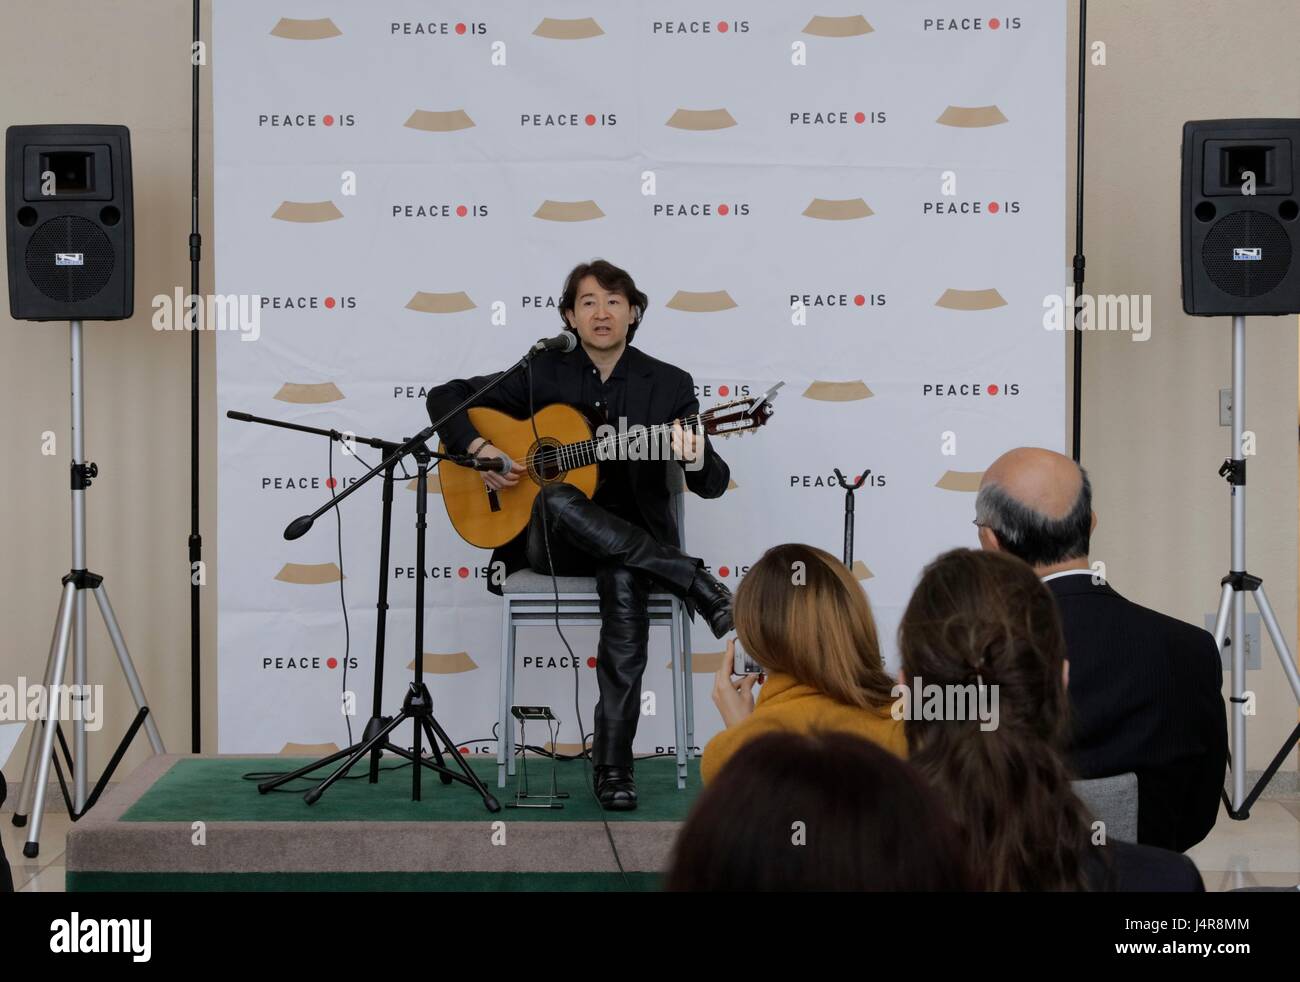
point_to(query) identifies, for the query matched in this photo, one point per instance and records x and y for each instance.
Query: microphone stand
(418, 703)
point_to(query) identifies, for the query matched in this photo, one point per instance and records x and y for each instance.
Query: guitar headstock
(740, 415)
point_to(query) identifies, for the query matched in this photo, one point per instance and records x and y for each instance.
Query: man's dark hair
(822, 811)
(611, 278)
(1032, 536)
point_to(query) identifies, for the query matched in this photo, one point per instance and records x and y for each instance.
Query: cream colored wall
(124, 62)
(1151, 438)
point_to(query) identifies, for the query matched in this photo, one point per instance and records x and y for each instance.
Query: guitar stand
(848, 512)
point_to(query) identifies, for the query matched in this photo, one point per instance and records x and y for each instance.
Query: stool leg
(503, 716)
(689, 675)
(679, 693)
(510, 674)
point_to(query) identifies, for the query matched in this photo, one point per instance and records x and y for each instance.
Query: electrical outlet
(1253, 640)
(1225, 407)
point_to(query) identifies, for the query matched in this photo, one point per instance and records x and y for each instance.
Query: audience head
(984, 617)
(827, 811)
(1036, 505)
(801, 612)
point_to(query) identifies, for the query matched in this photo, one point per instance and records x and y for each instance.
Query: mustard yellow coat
(786, 705)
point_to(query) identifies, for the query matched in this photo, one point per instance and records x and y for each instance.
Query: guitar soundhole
(544, 465)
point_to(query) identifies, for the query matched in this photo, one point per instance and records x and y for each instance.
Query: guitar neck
(585, 452)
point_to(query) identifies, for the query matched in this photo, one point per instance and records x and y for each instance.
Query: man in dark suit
(1145, 689)
(626, 535)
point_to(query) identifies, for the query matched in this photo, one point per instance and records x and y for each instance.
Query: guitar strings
(572, 454)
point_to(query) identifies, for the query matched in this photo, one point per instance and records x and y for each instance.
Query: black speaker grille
(69, 234)
(1247, 230)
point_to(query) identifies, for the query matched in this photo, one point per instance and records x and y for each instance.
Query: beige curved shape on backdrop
(309, 749)
(309, 574)
(307, 211)
(970, 117)
(838, 27)
(568, 211)
(440, 303)
(309, 393)
(838, 391)
(970, 300)
(837, 209)
(701, 303)
(968, 481)
(860, 570)
(448, 664)
(439, 122)
(434, 486)
(701, 119)
(560, 29)
(292, 29)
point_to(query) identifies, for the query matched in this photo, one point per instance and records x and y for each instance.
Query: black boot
(712, 599)
(615, 788)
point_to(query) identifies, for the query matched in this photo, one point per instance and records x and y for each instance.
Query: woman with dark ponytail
(984, 619)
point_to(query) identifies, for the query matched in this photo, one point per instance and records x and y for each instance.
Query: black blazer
(1122, 867)
(1145, 696)
(656, 392)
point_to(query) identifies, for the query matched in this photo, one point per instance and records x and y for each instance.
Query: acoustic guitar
(563, 443)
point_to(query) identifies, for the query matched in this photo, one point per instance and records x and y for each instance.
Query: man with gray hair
(1145, 689)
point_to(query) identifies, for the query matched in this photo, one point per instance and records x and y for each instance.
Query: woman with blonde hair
(803, 617)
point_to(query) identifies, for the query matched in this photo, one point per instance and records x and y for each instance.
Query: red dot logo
(993, 390)
(859, 117)
(329, 302)
(723, 390)
(993, 207)
(994, 23)
(591, 662)
(463, 572)
(723, 571)
(464, 750)
(332, 662)
(722, 26)
(328, 120)
(723, 210)
(859, 300)
(462, 211)
(460, 28)
(591, 119)
(330, 483)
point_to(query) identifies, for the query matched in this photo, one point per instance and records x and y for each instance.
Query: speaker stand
(1232, 603)
(70, 632)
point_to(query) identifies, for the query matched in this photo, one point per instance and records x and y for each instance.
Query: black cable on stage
(573, 659)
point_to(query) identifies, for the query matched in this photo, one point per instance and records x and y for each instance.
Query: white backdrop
(873, 202)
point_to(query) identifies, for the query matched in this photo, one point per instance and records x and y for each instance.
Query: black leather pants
(628, 563)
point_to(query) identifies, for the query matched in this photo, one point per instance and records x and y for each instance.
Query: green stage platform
(362, 836)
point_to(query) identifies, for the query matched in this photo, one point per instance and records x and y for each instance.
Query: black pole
(195, 540)
(1079, 261)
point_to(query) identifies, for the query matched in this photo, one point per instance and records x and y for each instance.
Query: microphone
(565, 341)
(298, 527)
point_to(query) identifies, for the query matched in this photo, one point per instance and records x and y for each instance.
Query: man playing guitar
(625, 535)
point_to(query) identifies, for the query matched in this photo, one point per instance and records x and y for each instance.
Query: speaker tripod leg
(62, 643)
(23, 806)
(128, 668)
(1279, 640)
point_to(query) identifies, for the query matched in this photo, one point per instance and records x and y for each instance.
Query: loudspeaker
(68, 222)
(1240, 211)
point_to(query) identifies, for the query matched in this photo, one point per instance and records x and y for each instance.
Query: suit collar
(1074, 586)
